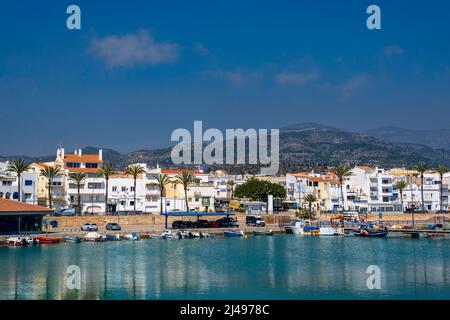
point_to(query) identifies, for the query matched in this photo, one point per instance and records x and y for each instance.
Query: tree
(231, 184)
(50, 173)
(106, 171)
(185, 178)
(135, 171)
(441, 169)
(162, 181)
(421, 167)
(259, 190)
(305, 214)
(310, 199)
(18, 167)
(401, 185)
(78, 178)
(342, 171)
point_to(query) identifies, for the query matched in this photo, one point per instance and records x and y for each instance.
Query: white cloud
(201, 49)
(354, 84)
(392, 50)
(235, 77)
(133, 49)
(295, 78)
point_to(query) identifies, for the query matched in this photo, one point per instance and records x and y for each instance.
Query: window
(93, 185)
(132, 189)
(28, 182)
(124, 189)
(131, 203)
(7, 183)
(91, 165)
(114, 189)
(385, 199)
(8, 195)
(73, 165)
(1, 194)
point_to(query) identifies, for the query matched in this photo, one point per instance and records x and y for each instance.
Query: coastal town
(77, 184)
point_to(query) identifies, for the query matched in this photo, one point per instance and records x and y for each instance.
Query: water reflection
(280, 267)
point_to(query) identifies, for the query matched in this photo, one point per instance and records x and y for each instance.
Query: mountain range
(309, 145)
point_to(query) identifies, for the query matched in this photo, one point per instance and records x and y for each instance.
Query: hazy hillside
(304, 145)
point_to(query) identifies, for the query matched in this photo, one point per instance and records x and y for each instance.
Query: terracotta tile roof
(86, 158)
(41, 164)
(320, 179)
(300, 174)
(180, 171)
(16, 206)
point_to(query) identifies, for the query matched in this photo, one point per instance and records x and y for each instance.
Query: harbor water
(278, 267)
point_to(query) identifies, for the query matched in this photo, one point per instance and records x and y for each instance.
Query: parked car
(201, 224)
(179, 224)
(89, 227)
(213, 224)
(255, 221)
(113, 226)
(68, 212)
(228, 222)
(441, 211)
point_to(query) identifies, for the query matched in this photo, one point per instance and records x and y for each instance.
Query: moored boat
(132, 237)
(21, 241)
(233, 233)
(45, 240)
(94, 237)
(112, 237)
(263, 233)
(370, 231)
(73, 239)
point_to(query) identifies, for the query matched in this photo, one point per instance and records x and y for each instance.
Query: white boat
(168, 234)
(331, 231)
(132, 237)
(94, 237)
(296, 227)
(21, 241)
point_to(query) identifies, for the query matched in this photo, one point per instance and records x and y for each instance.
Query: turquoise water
(279, 267)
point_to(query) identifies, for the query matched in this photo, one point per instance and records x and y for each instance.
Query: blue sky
(137, 70)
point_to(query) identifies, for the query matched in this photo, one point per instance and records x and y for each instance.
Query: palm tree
(441, 169)
(18, 167)
(106, 171)
(231, 184)
(401, 185)
(185, 178)
(310, 199)
(342, 171)
(135, 171)
(78, 178)
(162, 181)
(50, 173)
(421, 167)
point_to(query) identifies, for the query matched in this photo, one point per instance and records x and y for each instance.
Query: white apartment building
(9, 185)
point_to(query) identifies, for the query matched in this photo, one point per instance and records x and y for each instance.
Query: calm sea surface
(279, 267)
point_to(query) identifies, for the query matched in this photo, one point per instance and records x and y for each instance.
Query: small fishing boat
(370, 231)
(73, 239)
(132, 237)
(168, 234)
(233, 233)
(331, 231)
(263, 233)
(154, 236)
(21, 241)
(112, 237)
(296, 227)
(45, 240)
(94, 237)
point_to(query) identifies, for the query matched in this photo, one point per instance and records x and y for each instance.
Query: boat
(45, 240)
(370, 231)
(94, 237)
(112, 237)
(233, 233)
(154, 236)
(296, 227)
(168, 234)
(263, 233)
(18, 241)
(73, 239)
(132, 237)
(331, 231)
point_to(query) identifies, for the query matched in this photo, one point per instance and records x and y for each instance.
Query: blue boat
(369, 231)
(110, 237)
(233, 233)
